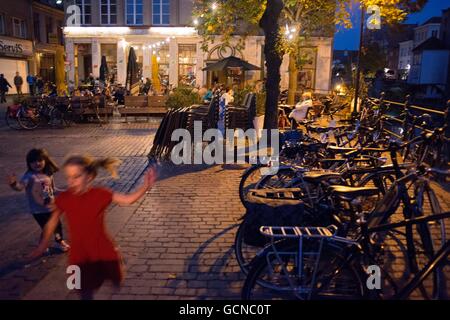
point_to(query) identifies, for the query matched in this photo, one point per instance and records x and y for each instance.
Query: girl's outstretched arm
(49, 229)
(126, 199)
(14, 184)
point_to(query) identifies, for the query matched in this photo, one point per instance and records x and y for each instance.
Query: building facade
(405, 58)
(48, 22)
(167, 46)
(429, 29)
(388, 39)
(30, 36)
(16, 40)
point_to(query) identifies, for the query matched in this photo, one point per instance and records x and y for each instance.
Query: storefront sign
(15, 48)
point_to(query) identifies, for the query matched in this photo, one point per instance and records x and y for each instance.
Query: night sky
(349, 38)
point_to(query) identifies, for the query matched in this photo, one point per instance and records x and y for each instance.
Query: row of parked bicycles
(324, 225)
(53, 111)
(40, 111)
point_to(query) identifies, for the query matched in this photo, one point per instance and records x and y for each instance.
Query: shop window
(161, 12)
(162, 56)
(109, 51)
(186, 64)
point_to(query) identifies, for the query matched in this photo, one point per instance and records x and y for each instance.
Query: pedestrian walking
(18, 82)
(40, 188)
(31, 80)
(84, 206)
(4, 84)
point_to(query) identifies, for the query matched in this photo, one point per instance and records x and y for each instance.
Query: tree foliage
(223, 19)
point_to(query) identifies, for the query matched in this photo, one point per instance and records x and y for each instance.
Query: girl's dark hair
(91, 166)
(41, 154)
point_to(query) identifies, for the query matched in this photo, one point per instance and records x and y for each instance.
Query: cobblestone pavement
(176, 243)
(18, 231)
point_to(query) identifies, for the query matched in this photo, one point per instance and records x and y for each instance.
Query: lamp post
(358, 66)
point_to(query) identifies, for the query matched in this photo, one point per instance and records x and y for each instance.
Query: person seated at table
(207, 96)
(301, 109)
(77, 92)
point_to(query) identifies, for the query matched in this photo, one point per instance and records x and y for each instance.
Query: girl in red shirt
(84, 206)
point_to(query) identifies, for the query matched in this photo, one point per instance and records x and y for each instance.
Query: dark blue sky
(349, 38)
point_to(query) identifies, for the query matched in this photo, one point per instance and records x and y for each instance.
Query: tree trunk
(270, 26)
(292, 79)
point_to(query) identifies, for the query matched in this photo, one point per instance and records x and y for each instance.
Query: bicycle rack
(314, 251)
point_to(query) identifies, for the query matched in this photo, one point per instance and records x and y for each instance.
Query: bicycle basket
(271, 207)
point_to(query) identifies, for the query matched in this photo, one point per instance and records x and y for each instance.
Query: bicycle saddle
(320, 176)
(339, 150)
(353, 192)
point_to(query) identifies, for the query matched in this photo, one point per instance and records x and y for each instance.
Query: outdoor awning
(230, 62)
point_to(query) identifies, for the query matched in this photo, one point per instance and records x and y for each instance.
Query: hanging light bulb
(168, 39)
(195, 22)
(214, 6)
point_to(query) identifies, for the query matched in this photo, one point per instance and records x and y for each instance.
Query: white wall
(434, 67)
(9, 67)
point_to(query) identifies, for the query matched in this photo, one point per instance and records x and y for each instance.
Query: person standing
(4, 84)
(31, 80)
(39, 85)
(18, 82)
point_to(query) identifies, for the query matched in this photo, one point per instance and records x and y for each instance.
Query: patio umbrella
(103, 69)
(155, 74)
(60, 72)
(132, 80)
(230, 62)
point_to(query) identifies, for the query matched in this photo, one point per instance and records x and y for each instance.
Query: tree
(224, 19)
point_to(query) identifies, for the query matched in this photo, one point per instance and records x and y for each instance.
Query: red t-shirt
(85, 214)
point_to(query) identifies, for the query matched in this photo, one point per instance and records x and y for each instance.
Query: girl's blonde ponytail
(91, 165)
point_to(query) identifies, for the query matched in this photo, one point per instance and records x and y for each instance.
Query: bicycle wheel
(11, 119)
(332, 277)
(249, 180)
(431, 237)
(244, 253)
(28, 118)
